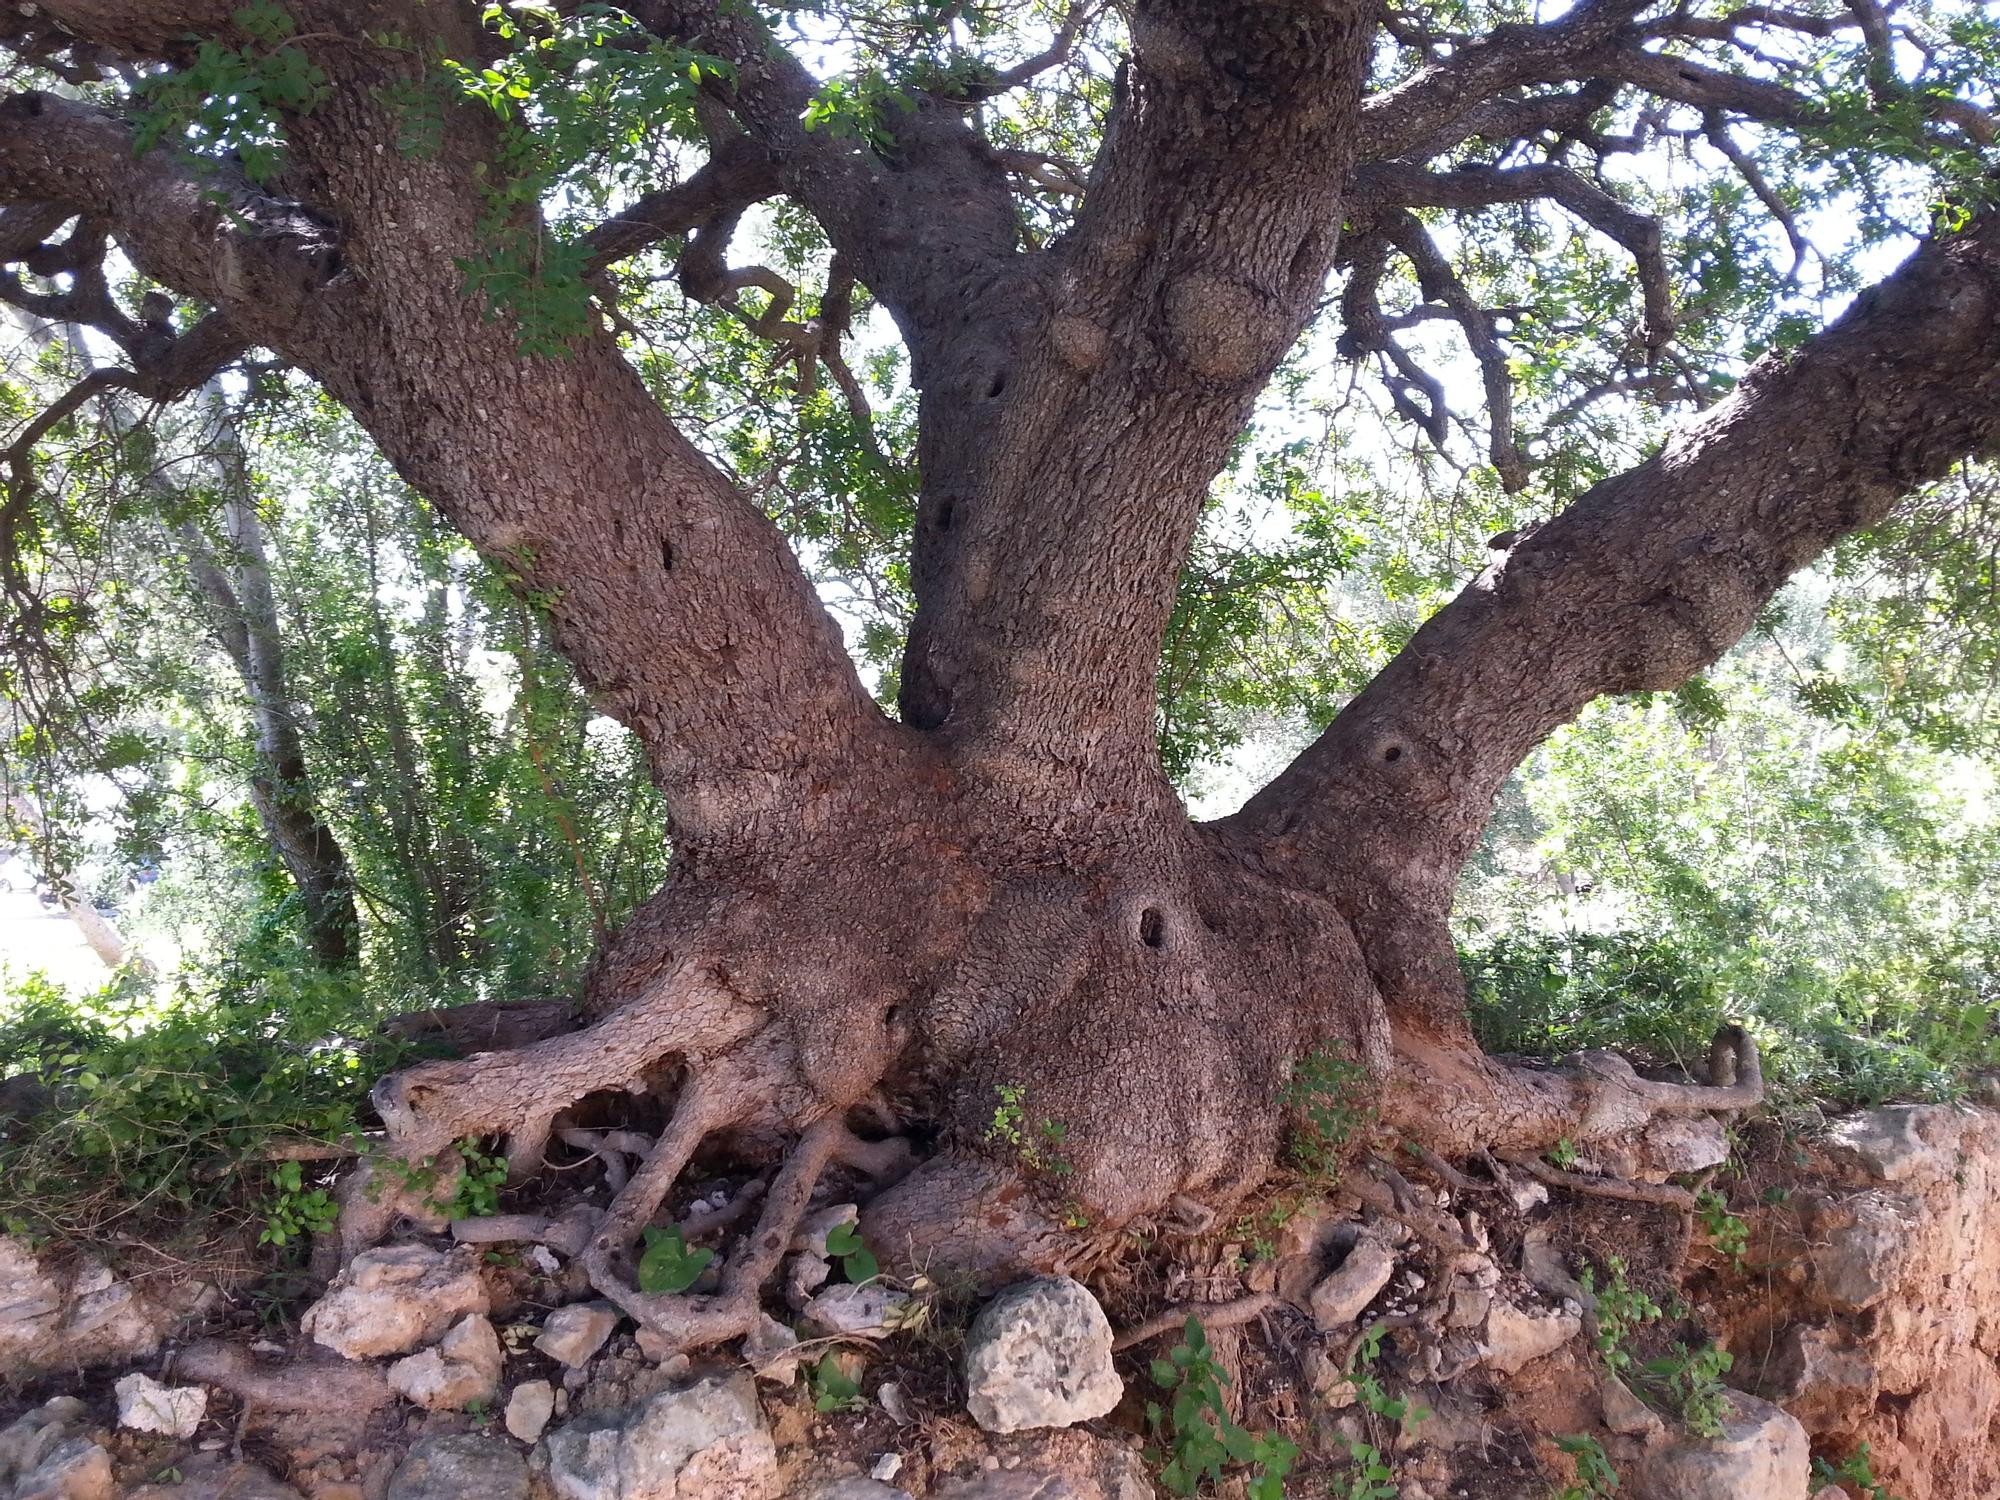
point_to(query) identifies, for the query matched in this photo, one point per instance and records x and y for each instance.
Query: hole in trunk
(1152, 928)
(666, 555)
(1393, 754)
(999, 384)
(947, 513)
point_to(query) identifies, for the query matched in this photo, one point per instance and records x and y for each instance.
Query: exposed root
(884, 1162)
(1662, 1193)
(1213, 1315)
(1439, 1231)
(693, 1321)
(702, 1109)
(1445, 1172)
(1455, 1101)
(334, 1385)
(519, 1093)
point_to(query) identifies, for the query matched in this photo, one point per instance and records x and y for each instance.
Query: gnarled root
(692, 1321)
(1459, 1102)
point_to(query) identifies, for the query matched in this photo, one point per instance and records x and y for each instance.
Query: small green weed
(1372, 1478)
(477, 1194)
(667, 1265)
(1621, 1310)
(1595, 1478)
(1564, 1154)
(1038, 1144)
(834, 1387)
(295, 1211)
(1197, 1440)
(857, 1262)
(1729, 1234)
(1857, 1469)
(1328, 1094)
(1691, 1380)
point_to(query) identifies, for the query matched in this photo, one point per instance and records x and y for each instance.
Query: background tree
(997, 888)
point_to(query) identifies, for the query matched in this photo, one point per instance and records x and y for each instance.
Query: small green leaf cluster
(234, 99)
(482, 1174)
(1857, 1469)
(1196, 1439)
(857, 1261)
(1327, 1095)
(833, 1387)
(1037, 1144)
(667, 1265)
(1596, 1479)
(294, 1210)
(1372, 1478)
(1621, 1309)
(1691, 1381)
(1729, 1234)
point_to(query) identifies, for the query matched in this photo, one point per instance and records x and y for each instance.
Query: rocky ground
(1859, 1304)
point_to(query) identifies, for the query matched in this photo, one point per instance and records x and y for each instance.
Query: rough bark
(999, 902)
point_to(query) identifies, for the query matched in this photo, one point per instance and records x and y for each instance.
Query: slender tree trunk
(246, 612)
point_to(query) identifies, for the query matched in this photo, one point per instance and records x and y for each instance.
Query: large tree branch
(678, 601)
(1049, 532)
(1644, 580)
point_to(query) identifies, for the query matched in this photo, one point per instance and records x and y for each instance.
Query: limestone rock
(1762, 1454)
(1817, 1377)
(804, 1274)
(74, 1469)
(145, 1405)
(1625, 1413)
(1899, 1142)
(26, 1440)
(1343, 1296)
(463, 1368)
(1068, 1465)
(464, 1466)
(571, 1335)
(73, 1317)
(813, 1229)
(771, 1349)
(870, 1311)
(529, 1409)
(1514, 1335)
(1857, 1263)
(396, 1299)
(1039, 1355)
(706, 1441)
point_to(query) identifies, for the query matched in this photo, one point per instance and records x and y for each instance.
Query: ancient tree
(878, 920)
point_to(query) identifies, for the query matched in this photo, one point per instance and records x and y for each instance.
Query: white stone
(571, 1335)
(1344, 1295)
(396, 1299)
(772, 1350)
(869, 1312)
(1763, 1454)
(145, 1405)
(1515, 1336)
(529, 1409)
(813, 1229)
(707, 1441)
(1039, 1355)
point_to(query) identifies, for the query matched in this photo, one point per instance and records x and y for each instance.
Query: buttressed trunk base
(1093, 1015)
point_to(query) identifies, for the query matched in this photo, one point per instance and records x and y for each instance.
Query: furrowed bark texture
(993, 920)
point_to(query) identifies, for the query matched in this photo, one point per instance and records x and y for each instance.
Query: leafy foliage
(1198, 1442)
